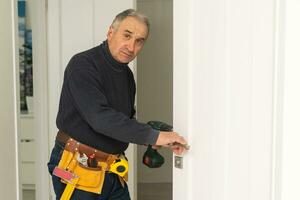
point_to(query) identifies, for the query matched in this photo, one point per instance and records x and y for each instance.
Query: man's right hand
(169, 139)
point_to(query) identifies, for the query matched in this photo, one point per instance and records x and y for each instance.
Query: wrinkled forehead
(134, 26)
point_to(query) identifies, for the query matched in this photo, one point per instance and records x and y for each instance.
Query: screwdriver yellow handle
(69, 190)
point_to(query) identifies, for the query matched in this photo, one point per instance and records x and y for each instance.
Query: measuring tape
(119, 166)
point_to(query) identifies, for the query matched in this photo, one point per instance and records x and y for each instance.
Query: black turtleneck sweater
(97, 103)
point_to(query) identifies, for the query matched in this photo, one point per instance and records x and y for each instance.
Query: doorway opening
(26, 118)
(155, 94)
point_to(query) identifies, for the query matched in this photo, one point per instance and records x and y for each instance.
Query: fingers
(172, 140)
(166, 138)
(180, 139)
(178, 150)
(176, 138)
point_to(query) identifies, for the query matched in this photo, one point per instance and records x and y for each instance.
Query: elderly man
(95, 117)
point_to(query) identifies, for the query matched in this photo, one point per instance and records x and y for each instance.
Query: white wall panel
(76, 27)
(104, 12)
(9, 182)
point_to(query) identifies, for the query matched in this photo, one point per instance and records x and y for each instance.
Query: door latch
(178, 162)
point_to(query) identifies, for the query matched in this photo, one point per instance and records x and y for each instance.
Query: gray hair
(130, 13)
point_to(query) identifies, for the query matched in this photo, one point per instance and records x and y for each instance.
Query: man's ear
(110, 32)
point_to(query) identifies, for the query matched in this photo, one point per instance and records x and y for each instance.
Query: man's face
(126, 40)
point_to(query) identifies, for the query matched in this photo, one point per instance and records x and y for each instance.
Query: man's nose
(131, 45)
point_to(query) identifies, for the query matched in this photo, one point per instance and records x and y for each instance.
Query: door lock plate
(178, 162)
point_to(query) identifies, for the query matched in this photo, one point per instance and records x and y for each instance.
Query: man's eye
(140, 42)
(126, 36)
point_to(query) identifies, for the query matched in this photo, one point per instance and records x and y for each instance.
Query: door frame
(9, 109)
(40, 87)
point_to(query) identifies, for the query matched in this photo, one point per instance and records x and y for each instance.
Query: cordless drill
(151, 157)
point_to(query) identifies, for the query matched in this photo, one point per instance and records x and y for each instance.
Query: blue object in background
(21, 19)
(25, 57)
(21, 8)
(28, 38)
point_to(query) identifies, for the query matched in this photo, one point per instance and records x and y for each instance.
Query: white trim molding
(278, 86)
(290, 174)
(40, 86)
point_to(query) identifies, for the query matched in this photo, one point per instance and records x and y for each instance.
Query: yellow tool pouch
(84, 168)
(89, 179)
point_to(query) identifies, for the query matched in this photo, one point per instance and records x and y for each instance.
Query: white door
(9, 184)
(225, 75)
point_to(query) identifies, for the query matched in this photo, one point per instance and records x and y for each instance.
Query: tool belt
(72, 145)
(83, 167)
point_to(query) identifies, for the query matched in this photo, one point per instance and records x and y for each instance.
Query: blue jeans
(112, 188)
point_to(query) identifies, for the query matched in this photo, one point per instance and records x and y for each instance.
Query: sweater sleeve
(91, 103)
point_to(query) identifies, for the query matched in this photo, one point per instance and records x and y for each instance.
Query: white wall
(9, 184)
(154, 82)
(223, 98)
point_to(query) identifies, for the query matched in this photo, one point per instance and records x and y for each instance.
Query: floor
(146, 191)
(154, 191)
